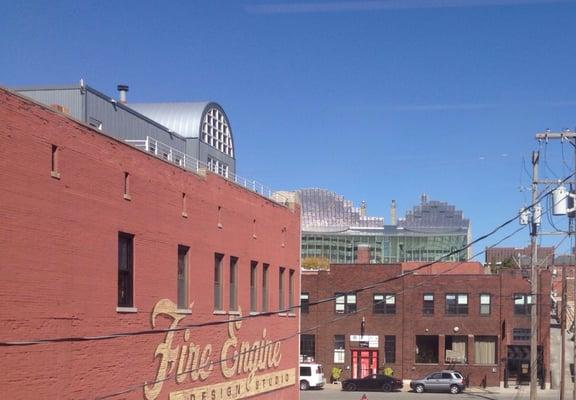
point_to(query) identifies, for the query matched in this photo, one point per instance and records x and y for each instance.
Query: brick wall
(410, 321)
(59, 258)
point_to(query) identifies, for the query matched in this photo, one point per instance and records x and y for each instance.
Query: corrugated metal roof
(182, 118)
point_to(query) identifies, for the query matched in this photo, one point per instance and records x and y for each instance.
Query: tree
(315, 263)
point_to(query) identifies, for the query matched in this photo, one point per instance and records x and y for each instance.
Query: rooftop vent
(122, 90)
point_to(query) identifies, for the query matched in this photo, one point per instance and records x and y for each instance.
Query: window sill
(183, 311)
(184, 214)
(219, 312)
(233, 312)
(282, 314)
(427, 363)
(291, 315)
(127, 197)
(126, 309)
(55, 175)
(254, 313)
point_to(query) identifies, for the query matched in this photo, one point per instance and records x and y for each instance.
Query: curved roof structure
(182, 118)
(323, 210)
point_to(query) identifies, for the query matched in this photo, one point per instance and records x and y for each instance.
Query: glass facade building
(332, 228)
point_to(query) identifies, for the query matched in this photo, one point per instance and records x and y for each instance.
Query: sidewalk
(472, 389)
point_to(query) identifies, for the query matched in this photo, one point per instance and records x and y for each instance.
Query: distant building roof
(565, 259)
(323, 210)
(433, 216)
(183, 118)
(326, 211)
(451, 268)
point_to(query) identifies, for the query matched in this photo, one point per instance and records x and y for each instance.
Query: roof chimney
(122, 90)
(363, 208)
(393, 213)
(363, 253)
(424, 198)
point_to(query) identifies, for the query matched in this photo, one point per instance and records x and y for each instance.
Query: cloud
(465, 106)
(374, 5)
(443, 107)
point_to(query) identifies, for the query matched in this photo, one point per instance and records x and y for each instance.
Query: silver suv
(443, 381)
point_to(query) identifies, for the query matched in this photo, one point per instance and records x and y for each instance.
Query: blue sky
(375, 100)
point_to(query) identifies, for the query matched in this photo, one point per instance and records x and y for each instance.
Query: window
(305, 303)
(217, 166)
(218, 281)
(384, 304)
(456, 349)
(95, 123)
(485, 300)
(485, 349)
(253, 288)
(522, 303)
(265, 268)
(125, 270)
(345, 303)
(216, 131)
(457, 303)
(521, 334)
(339, 350)
(427, 349)
(428, 304)
(183, 277)
(307, 346)
(233, 283)
(390, 349)
(281, 304)
(291, 290)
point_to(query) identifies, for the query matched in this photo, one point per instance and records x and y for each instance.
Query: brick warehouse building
(478, 324)
(100, 238)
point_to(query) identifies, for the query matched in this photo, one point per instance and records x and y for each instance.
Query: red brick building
(520, 256)
(478, 324)
(100, 238)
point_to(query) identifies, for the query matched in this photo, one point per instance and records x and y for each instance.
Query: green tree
(315, 263)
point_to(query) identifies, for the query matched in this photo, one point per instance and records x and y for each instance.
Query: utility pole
(564, 204)
(534, 281)
(567, 207)
(571, 231)
(563, 335)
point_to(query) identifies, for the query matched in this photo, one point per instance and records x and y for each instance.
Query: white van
(311, 376)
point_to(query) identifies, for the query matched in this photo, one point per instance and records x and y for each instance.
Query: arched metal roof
(183, 118)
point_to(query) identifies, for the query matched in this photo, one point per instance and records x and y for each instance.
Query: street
(333, 392)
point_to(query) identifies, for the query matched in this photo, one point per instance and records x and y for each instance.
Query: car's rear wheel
(350, 387)
(304, 385)
(387, 387)
(419, 388)
(454, 389)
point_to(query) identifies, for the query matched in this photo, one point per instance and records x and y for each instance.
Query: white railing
(177, 157)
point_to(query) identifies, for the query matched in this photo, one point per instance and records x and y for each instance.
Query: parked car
(311, 376)
(373, 382)
(443, 381)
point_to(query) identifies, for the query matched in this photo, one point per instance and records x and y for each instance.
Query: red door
(364, 363)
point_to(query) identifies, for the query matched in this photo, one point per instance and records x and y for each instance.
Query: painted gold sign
(239, 388)
(192, 362)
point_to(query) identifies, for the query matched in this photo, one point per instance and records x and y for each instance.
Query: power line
(290, 336)
(268, 313)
